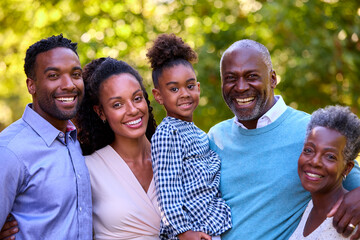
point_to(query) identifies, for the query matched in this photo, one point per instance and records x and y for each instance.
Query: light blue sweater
(259, 179)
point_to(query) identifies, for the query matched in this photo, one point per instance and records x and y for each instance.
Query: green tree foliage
(314, 45)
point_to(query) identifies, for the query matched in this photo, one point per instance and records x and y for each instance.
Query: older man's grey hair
(342, 120)
(247, 43)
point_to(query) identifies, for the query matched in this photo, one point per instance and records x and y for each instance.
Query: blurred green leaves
(314, 44)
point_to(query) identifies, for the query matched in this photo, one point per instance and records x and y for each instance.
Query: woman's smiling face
(123, 105)
(321, 165)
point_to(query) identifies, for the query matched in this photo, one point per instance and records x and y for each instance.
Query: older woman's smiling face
(321, 164)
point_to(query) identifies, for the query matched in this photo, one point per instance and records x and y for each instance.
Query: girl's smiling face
(178, 91)
(321, 165)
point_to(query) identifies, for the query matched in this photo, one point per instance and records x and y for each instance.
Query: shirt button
(78, 176)
(80, 209)
(61, 135)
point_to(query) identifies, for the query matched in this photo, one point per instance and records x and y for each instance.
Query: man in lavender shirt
(44, 181)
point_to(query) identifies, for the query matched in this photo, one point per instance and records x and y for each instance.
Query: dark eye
(138, 98)
(53, 75)
(191, 86)
(77, 75)
(307, 150)
(117, 105)
(230, 78)
(174, 89)
(252, 76)
(331, 157)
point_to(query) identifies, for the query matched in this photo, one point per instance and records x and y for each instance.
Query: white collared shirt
(271, 115)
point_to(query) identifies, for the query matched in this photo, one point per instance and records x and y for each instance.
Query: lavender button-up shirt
(44, 182)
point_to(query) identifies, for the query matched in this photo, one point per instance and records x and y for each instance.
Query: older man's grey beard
(246, 114)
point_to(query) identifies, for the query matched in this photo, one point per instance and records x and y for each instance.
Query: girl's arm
(191, 235)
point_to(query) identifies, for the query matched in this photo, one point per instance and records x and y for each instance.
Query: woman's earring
(104, 121)
(344, 177)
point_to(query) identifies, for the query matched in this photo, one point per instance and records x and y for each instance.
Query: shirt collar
(270, 116)
(71, 129)
(43, 128)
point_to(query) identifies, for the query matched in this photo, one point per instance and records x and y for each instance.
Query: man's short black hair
(42, 46)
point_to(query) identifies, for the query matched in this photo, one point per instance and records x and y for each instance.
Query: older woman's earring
(344, 177)
(104, 121)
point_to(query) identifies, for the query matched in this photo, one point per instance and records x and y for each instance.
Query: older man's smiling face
(247, 84)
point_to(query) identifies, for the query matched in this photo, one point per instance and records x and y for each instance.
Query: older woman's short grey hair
(340, 119)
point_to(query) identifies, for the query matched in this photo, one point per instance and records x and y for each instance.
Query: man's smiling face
(58, 87)
(247, 84)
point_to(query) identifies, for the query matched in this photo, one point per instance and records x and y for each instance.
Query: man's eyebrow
(57, 69)
(236, 72)
(51, 69)
(77, 68)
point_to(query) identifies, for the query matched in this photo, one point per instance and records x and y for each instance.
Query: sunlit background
(314, 45)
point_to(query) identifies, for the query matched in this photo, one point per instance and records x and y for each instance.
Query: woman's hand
(9, 229)
(346, 213)
(192, 235)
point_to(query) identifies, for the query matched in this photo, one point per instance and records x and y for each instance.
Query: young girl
(186, 171)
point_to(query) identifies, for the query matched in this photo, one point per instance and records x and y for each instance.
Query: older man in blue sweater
(260, 148)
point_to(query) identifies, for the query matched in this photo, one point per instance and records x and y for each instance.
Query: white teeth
(66, 99)
(133, 122)
(313, 175)
(244, 100)
(185, 104)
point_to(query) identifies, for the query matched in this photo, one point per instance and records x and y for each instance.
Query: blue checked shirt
(187, 176)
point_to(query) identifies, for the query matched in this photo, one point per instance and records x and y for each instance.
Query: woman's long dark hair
(93, 133)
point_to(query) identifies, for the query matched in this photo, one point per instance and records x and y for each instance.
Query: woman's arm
(9, 229)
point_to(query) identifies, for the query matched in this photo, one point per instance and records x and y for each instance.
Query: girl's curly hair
(169, 50)
(93, 133)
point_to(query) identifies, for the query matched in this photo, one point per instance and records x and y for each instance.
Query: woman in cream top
(115, 125)
(121, 207)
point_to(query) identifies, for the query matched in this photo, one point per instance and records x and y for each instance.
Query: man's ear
(157, 96)
(273, 79)
(99, 112)
(30, 83)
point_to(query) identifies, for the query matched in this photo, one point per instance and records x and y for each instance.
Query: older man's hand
(346, 213)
